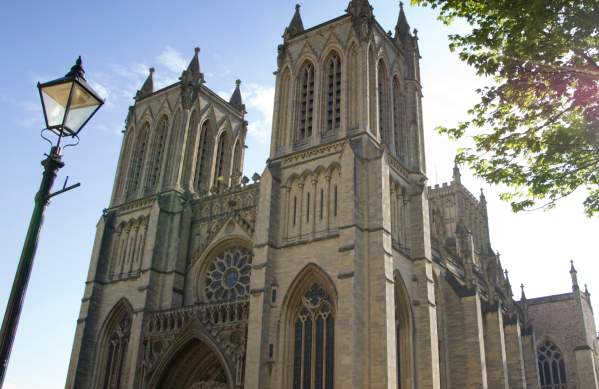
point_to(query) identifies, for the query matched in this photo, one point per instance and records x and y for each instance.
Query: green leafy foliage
(536, 130)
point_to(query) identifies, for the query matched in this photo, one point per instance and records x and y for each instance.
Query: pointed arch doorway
(196, 365)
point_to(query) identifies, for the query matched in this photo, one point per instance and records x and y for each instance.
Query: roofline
(205, 88)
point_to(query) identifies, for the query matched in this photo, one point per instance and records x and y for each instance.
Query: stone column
(466, 340)
(515, 356)
(531, 364)
(495, 347)
(586, 369)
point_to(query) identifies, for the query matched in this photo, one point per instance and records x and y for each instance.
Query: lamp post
(68, 104)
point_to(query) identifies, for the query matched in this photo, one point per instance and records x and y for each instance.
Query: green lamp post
(68, 104)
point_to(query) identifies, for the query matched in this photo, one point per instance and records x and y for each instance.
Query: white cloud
(259, 102)
(172, 60)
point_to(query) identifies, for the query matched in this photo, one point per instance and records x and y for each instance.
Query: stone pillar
(426, 341)
(466, 340)
(495, 348)
(515, 356)
(586, 368)
(530, 359)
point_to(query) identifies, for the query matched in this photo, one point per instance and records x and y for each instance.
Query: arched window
(306, 100)
(313, 340)
(113, 352)
(172, 150)
(156, 155)
(137, 160)
(383, 101)
(352, 85)
(403, 334)
(333, 88)
(552, 369)
(203, 168)
(220, 176)
(398, 120)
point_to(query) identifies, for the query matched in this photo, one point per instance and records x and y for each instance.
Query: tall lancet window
(115, 353)
(333, 85)
(552, 369)
(221, 160)
(137, 160)
(156, 156)
(204, 159)
(403, 334)
(314, 341)
(383, 100)
(306, 100)
(398, 117)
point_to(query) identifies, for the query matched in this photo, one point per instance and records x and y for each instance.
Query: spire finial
(148, 86)
(457, 175)
(586, 290)
(574, 275)
(236, 99)
(194, 65)
(402, 28)
(296, 26)
(523, 297)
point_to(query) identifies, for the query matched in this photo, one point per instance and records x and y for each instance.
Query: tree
(536, 130)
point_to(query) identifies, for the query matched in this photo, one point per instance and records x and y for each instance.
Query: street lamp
(68, 103)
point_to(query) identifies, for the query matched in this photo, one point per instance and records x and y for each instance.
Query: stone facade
(337, 267)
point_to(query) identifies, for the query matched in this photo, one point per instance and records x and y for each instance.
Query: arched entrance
(195, 366)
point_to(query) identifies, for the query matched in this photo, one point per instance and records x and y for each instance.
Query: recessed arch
(310, 308)
(201, 265)
(404, 334)
(552, 366)
(194, 358)
(113, 345)
(332, 90)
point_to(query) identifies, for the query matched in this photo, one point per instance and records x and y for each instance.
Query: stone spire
(574, 275)
(194, 65)
(147, 88)
(236, 99)
(457, 176)
(402, 29)
(483, 199)
(296, 26)
(523, 296)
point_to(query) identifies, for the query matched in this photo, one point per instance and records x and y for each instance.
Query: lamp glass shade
(55, 99)
(82, 106)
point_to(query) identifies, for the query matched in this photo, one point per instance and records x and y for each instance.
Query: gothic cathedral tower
(342, 241)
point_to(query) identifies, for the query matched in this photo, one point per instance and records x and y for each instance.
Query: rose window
(228, 276)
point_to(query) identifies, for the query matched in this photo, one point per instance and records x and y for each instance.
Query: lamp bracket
(64, 188)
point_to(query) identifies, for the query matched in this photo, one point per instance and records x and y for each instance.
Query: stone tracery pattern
(313, 343)
(228, 276)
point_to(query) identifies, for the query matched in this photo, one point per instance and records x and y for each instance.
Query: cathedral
(338, 267)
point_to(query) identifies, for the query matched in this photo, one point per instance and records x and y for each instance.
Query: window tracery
(228, 275)
(383, 100)
(333, 85)
(552, 369)
(306, 99)
(137, 160)
(156, 157)
(313, 341)
(118, 341)
(205, 156)
(221, 162)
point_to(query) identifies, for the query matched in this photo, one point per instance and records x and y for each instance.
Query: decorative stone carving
(228, 276)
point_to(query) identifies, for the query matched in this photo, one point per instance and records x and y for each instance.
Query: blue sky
(119, 41)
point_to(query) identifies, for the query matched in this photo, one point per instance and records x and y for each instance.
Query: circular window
(228, 276)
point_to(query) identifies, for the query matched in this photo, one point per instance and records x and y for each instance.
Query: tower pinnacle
(574, 275)
(457, 176)
(147, 88)
(236, 99)
(296, 26)
(402, 29)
